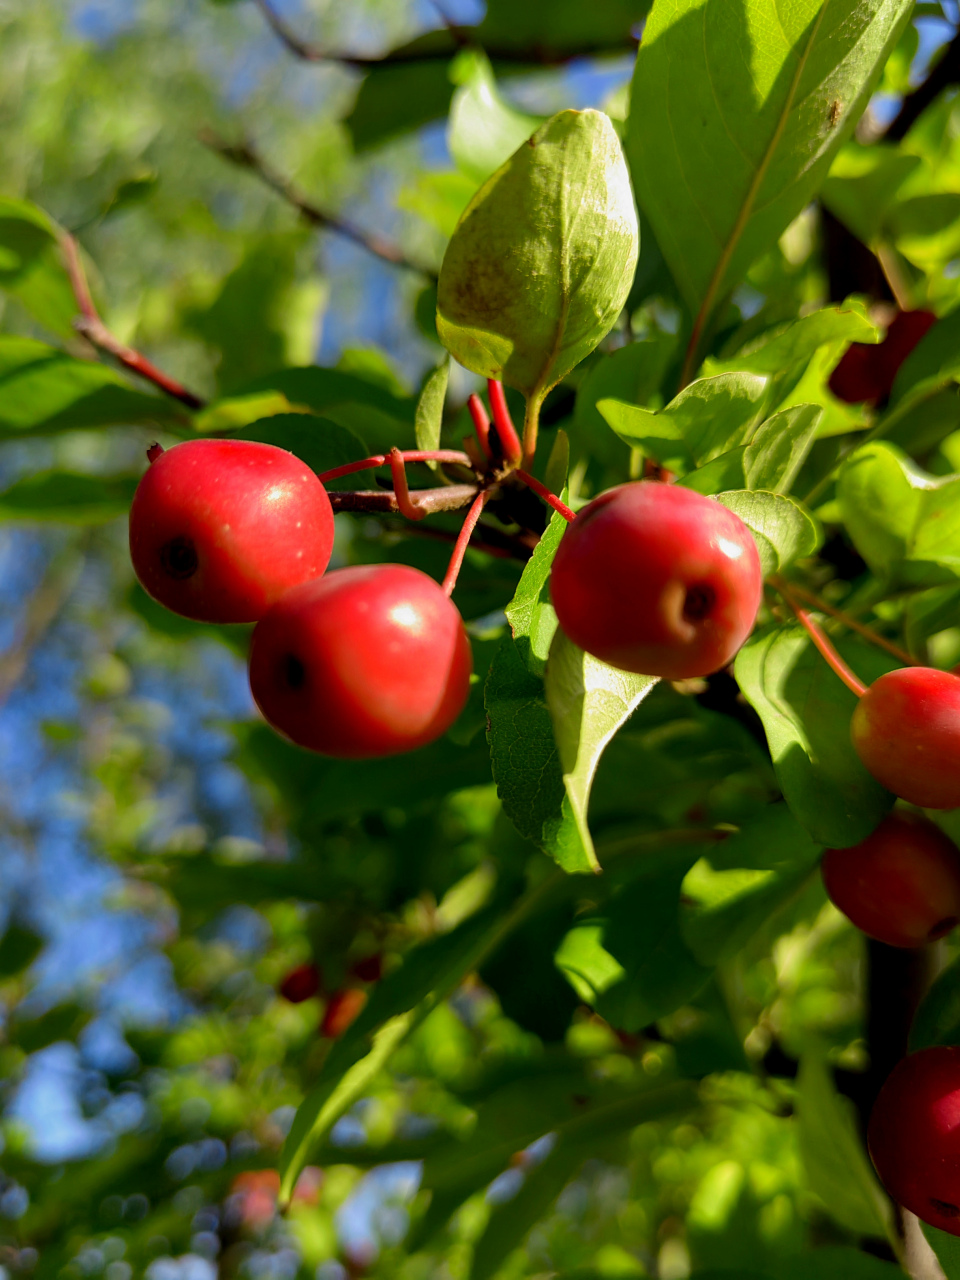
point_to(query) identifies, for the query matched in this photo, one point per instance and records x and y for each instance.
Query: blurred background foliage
(167, 862)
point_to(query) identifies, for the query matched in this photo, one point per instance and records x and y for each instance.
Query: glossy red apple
(901, 885)
(220, 529)
(362, 662)
(914, 1136)
(906, 730)
(657, 579)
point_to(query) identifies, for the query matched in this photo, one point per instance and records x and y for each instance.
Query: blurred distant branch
(39, 613)
(88, 323)
(943, 75)
(539, 54)
(245, 156)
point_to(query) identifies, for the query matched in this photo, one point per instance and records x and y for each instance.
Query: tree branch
(943, 75)
(453, 497)
(244, 156)
(88, 323)
(539, 55)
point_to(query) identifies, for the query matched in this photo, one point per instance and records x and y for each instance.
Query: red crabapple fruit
(220, 529)
(343, 1009)
(301, 983)
(906, 730)
(867, 371)
(367, 661)
(914, 1135)
(901, 885)
(657, 579)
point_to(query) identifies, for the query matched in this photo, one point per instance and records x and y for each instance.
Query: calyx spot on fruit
(912, 1135)
(906, 730)
(901, 885)
(220, 529)
(657, 579)
(364, 662)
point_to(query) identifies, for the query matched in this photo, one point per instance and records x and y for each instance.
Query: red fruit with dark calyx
(363, 662)
(906, 730)
(301, 983)
(901, 885)
(220, 529)
(914, 1136)
(867, 371)
(657, 579)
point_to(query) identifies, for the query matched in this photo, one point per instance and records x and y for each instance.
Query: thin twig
(847, 619)
(451, 456)
(452, 497)
(820, 639)
(460, 546)
(540, 54)
(543, 492)
(88, 323)
(244, 156)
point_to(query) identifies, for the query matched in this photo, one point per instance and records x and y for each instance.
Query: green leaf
(318, 442)
(933, 364)
(542, 260)
(904, 522)
(43, 390)
(32, 268)
(733, 889)
(707, 418)
(784, 530)
(588, 702)
(68, 498)
(484, 130)
(429, 416)
(396, 98)
(947, 1249)
(937, 1020)
(779, 448)
(631, 374)
(838, 1170)
(19, 947)
(863, 184)
(523, 753)
(806, 712)
(737, 111)
(837, 1264)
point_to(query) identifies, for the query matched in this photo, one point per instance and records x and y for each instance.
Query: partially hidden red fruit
(220, 529)
(343, 1008)
(901, 885)
(301, 983)
(369, 969)
(914, 1136)
(657, 579)
(363, 662)
(867, 371)
(906, 730)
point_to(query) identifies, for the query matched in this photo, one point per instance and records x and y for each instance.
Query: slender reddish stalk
(481, 423)
(848, 621)
(543, 492)
(827, 651)
(460, 547)
(92, 327)
(509, 440)
(408, 455)
(399, 473)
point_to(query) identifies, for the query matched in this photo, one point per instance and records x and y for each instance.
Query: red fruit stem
(88, 323)
(509, 440)
(399, 473)
(408, 455)
(848, 621)
(543, 492)
(481, 423)
(460, 546)
(827, 651)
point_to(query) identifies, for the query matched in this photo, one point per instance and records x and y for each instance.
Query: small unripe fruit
(901, 885)
(657, 579)
(914, 1136)
(220, 529)
(363, 662)
(301, 983)
(906, 730)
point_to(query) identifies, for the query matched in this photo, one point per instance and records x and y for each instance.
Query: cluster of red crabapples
(374, 660)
